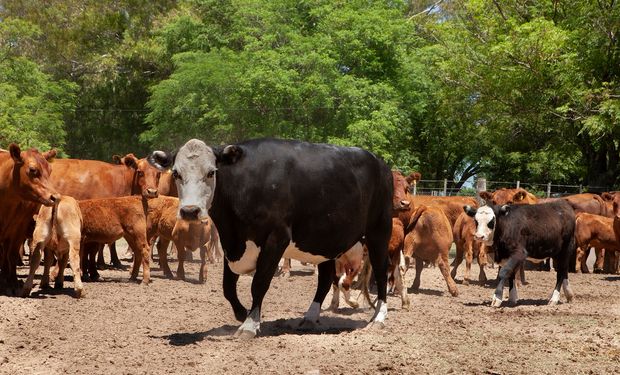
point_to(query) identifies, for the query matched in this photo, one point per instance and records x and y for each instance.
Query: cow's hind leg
(419, 266)
(266, 267)
(442, 262)
(377, 243)
(162, 248)
(74, 261)
(513, 296)
(326, 278)
(457, 260)
(35, 261)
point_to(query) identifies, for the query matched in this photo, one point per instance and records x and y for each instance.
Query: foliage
(32, 104)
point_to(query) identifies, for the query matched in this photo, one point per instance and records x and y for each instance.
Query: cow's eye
(491, 224)
(176, 174)
(33, 172)
(140, 173)
(210, 174)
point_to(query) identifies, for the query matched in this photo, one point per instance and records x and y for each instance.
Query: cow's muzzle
(151, 193)
(190, 212)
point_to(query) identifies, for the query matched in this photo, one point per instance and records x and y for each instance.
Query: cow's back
(328, 196)
(89, 179)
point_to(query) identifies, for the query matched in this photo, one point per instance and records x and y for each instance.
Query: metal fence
(541, 190)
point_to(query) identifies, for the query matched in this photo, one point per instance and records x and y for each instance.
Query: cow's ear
(131, 161)
(16, 153)
(116, 159)
(470, 211)
(161, 160)
(504, 210)
(50, 155)
(520, 195)
(606, 196)
(413, 176)
(229, 155)
(486, 196)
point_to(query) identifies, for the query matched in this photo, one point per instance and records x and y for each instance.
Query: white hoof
(496, 302)
(245, 334)
(555, 298)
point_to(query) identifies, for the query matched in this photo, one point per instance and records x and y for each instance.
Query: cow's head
(193, 169)
(508, 196)
(400, 199)
(31, 173)
(145, 180)
(485, 219)
(616, 205)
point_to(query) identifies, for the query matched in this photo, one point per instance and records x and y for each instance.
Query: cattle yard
(171, 326)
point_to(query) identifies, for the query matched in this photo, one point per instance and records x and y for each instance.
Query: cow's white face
(485, 224)
(194, 174)
(193, 169)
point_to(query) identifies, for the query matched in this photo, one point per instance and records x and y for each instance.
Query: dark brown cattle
(24, 185)
(90, 179)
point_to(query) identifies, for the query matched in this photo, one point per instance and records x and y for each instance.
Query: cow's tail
(364, 279)
(415, 217)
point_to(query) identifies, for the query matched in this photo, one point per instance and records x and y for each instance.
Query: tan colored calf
(186, 235)
(463, 232)
(57, 232)
(348, 266)
(428, 238)
(594, 231)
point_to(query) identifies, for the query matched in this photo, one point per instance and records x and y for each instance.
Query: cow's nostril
(190, 212)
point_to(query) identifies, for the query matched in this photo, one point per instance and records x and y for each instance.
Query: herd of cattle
(321, 204)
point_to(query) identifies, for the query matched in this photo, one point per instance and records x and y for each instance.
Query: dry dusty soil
(172, 326)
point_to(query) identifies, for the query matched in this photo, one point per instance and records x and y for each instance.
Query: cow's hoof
(25, 292)
(284, 274)
(308, 325)
(375, 326)
(58, 286)
(496, 302)
(353, 304)
(245, 334)
(79, 293)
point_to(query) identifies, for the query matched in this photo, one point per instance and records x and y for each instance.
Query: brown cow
(594, 230)
(348, 266)
(58, 231)
(186, 235)
(428, 238)
(508, 196)
(24, 185)
(106, 220)
(90, 179)
(463, 232)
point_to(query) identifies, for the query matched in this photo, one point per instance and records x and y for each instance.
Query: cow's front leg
(230, 292)
(266, 267)
(513, 295)
(507, 271)
(35, 262)
(326, 276)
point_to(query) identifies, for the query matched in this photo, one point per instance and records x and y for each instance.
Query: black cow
(533, 232)
(274, 198)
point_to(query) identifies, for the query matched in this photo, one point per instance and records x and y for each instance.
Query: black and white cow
(274, 198)
(533, 232)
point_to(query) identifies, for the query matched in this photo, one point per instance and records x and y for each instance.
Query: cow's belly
(247, 263)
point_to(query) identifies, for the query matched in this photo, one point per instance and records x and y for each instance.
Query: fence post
(518, 184)
(548, 189)
(445, 187)
(481, 185)
(415, 187)
(580, 188)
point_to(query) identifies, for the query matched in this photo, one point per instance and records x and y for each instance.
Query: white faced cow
(274, 198)
(533, 232)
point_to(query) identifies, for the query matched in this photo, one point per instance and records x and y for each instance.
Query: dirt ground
(172, 326)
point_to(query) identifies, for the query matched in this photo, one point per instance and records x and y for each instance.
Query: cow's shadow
(428, 292)
(521, 302)
(612, 278)
(327, 325)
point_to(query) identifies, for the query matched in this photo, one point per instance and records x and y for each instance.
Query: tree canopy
(511, 90)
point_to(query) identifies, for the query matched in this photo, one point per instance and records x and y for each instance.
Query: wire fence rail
(542, 190)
